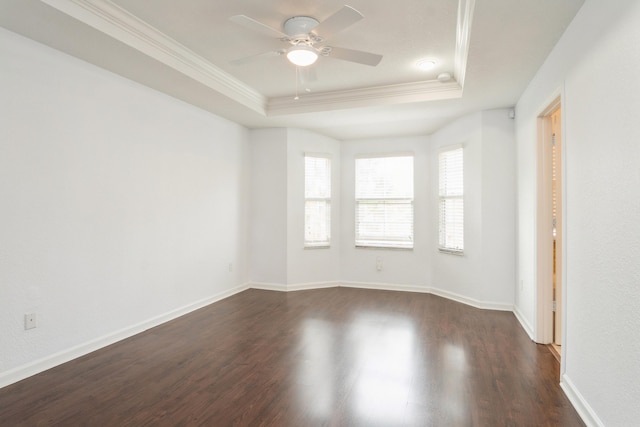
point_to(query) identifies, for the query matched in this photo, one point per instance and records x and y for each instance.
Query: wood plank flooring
(328, 357)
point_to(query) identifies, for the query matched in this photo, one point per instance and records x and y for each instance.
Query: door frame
(544, 239)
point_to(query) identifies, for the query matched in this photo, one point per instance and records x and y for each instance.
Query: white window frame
(385, 201)
(451, 193)
(314, 199)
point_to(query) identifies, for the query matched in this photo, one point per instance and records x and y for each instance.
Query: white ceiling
(184, 48)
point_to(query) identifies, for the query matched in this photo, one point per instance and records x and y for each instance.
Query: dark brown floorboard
(328, 357)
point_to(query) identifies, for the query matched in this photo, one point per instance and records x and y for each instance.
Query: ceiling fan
(306, 38)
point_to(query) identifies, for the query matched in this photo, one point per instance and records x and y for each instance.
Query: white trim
(402, 93)
(543, 248)
(265, 286)
(463, 38)
(448, 251)
(523, 322)
(280, 287)
(580, 404)
(29, 369)
(312, 285)
(565, 230)
(484, 305)
(386, 287)
(109, 18)
(48, 362)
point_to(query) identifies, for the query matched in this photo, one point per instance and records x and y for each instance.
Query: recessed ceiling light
(426, 64)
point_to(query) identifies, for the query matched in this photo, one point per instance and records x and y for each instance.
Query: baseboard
(25, 371)
(312, 285)
(386, 287)
(293, 287)
(579, 403)
(279, 287)
(523, 322)
(484, 305)
(33, 368)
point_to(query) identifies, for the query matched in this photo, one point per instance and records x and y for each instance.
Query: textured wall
(595, 67)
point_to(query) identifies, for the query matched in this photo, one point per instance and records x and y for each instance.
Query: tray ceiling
(491, 48)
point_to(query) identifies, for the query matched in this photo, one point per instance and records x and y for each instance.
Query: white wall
(119, 206)
(498, 207)
(595, 67)
(268, 216)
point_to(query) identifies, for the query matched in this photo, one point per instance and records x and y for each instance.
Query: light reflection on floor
(381, 356)
(316, 367)
(386, 357)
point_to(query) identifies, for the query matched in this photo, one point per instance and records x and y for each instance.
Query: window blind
(384, 202)
(451, 192)
(317, 204)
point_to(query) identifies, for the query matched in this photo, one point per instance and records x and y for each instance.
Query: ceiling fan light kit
(302, 55)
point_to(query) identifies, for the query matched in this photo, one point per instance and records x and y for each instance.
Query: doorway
(550, 230)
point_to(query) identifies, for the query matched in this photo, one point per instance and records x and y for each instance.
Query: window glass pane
(384, 202)
(451, 190)
(317, 208)
(451, 173)
(317, 175)
(317, 229)
(452, 223)
(384, 177)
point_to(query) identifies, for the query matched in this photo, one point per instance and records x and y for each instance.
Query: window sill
(451, 251)
(392, 248)
(317, 247)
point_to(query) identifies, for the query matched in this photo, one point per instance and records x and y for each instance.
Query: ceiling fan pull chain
(297, 79)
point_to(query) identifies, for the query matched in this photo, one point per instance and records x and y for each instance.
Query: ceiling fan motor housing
(299, 26)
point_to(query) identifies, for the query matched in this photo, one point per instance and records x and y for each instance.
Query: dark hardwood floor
(329, 357)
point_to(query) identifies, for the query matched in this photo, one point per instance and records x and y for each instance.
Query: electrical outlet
(29, 321)
(379, 263)
(230, 267)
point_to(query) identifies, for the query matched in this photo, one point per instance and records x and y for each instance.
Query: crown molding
(111, 19)
(116, 22)
(463, 37)
(403, 93)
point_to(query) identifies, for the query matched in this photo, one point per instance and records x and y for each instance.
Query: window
(451, 191)
(384, 202)
(317, 201)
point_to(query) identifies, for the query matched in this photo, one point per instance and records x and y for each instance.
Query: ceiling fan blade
(257, 26)
(337, 22)
(252, 58)
(358, 56)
